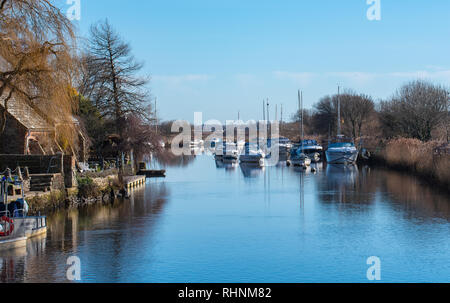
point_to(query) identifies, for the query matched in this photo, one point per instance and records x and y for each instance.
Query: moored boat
(342, 151)
(15, 224)
(298, 158)
(312, 149)
(253, 154)
(283, 145)
(297, 155)
(226, 152)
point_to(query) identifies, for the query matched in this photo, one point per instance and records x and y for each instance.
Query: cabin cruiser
(298, 158)
(15, 224)
(253, 154)
(284, 145)
(342, 151)
(226, 152)
(312, 149)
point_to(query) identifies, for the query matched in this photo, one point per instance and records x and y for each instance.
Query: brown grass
(418, 157)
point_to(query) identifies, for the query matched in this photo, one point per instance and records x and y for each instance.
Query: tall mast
(264, 110)
(156, 114)
(268, 119)
(339, 111)
(300, 107)
(303, 130)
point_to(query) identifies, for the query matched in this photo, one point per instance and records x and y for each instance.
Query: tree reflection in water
(113, 225)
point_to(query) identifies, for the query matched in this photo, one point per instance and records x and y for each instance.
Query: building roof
(25, 114)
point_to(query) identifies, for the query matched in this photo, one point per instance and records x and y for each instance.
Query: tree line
(98, 80)
(95, 79)
(419, 109)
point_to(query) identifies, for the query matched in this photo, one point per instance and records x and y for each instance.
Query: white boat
(15, 224)
(226, 152)
(297, 156)
(253, 154)
(342, 151)
(283, 144)
(312, 149)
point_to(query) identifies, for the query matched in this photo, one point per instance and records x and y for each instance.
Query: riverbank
(429, 161)
(90, 190)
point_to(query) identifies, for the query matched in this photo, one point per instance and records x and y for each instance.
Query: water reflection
(74, 232)
(251, 170)
(201, 224)
(412, 195)
(227, 165)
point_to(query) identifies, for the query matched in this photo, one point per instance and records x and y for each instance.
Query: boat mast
(264, 110)
(300, 106)
(156, 115)
(339, 112)
(276, 112)
(303, 129)
(269, 126)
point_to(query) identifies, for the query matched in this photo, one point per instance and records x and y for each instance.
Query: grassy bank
(417, 157)
(90, 190)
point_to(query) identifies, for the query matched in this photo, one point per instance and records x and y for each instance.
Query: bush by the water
(87, 188)
(419, 157)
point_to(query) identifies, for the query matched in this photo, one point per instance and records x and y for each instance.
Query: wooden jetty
(148, 173)
(152, 173)
(134, 181)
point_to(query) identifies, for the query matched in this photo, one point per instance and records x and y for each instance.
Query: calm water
(207, 223)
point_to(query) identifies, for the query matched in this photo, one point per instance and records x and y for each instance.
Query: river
(214, 223)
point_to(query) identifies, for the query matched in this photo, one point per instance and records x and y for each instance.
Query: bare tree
(324, 117)
(415, 110)
(36, 58)
(356, 110)
(111, 78)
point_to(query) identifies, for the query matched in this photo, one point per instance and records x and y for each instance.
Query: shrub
(87, 188)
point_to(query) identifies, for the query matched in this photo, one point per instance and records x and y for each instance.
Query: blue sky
(221, 57)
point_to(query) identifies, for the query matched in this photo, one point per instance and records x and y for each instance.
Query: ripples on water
(210, 222)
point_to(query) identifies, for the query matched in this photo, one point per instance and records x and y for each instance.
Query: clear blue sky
(219, 57)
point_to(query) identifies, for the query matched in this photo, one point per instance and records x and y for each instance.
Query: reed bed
(418, 157)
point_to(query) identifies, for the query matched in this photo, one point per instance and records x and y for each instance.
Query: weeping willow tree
(36, 61)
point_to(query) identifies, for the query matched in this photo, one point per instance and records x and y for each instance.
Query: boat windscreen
(341, 144)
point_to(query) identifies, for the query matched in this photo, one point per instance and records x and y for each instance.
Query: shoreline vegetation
(422, 159)
(92, 188)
